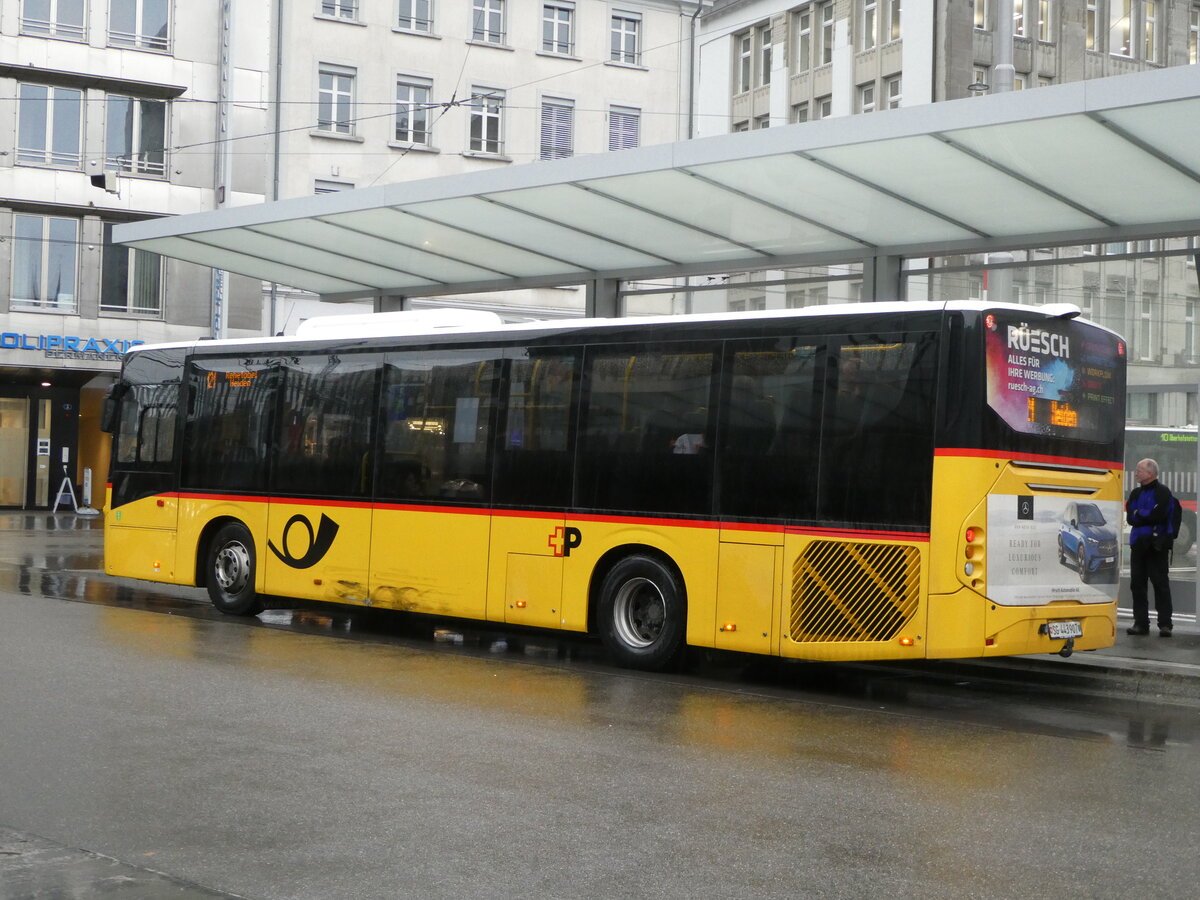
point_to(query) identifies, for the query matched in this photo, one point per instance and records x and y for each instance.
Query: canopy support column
(391, 303)
(881, 278)
(603, 299)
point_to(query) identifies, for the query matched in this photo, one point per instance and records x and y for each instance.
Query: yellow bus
(873, 481)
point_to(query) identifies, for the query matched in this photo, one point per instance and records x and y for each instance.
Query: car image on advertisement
(1086, 542)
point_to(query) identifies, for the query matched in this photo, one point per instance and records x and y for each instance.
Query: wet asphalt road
(322, 754)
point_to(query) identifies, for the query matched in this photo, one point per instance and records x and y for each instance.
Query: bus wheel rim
(639, 613)
(232, 567)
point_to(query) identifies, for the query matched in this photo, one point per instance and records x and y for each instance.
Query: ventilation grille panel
(845, 591)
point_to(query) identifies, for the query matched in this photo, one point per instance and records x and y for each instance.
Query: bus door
(319, 516)
(430, 525)
(530, 538)
(143, 502)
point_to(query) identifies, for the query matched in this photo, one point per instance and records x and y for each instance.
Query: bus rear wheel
(230, 571)
(642, 615)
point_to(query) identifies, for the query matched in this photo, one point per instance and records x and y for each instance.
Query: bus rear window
(1057, 378)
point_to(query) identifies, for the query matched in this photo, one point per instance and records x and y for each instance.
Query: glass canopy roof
(1109, 159)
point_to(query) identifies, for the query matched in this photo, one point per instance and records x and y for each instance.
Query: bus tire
(230, 571)
(642, 614)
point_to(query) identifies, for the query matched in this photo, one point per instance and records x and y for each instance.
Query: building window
(143, 24)
(322, 186)
(416, 15)
(764, 55)
(868, 12)
(892, 88)
(136, 136)
(340, 9)
(825, 47)
(335, 99)
(1019, 18)
(1149, 31)
(1120, 27)
(745, 62)
(800, 112)
(413, 122)
(487, 107)
(803, 40)
(1194, 35)
(558, 129)
(487, 21)
(1145, 326)
(626, 40)
(981, 15)
(1044, 23)
(739, 127)
(1019, 81)
(1189, 330)
(891, 20)
(131, 280)
(866, 98)
(558, 28)
(824, 106)
(50, 126)
(53, 18)
(45, 263)
(624, 127)
(1092, 25)
(761, 122)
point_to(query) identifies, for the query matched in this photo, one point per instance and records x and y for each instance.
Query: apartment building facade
(379, 91)
(113, 114)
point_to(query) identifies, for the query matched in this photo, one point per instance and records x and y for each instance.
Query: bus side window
(643, 406)
(437, 423)
(884, 396)
(534, 464)
(324, 436)
(770, 431)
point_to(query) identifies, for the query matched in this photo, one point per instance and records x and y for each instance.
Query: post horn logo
(318, 544)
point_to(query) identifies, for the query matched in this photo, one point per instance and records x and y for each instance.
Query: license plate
(1109, 559)
(1062, 630)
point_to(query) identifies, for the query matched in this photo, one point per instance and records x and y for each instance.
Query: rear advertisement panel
(1054, 377)
(1047, 548)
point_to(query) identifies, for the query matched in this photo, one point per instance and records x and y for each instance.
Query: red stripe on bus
(867, 534)
(1009, 455)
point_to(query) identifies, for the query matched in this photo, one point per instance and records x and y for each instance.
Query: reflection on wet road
(65, 563)
(317, 753)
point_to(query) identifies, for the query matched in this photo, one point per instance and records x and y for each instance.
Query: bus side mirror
(110, 413)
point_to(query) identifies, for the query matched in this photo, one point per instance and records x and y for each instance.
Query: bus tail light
(974, 559)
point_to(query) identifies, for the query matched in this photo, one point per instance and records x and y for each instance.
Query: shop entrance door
(14, 450)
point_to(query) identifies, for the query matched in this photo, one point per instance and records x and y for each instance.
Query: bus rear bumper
(1023, 630)
(968, 625)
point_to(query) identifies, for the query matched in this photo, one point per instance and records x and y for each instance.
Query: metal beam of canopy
(1091, 161)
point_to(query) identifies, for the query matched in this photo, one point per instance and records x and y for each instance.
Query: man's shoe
(1138, 629)
(1164, 631)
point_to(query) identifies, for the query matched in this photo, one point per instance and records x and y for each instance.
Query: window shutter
(624, 127)
(558, 130)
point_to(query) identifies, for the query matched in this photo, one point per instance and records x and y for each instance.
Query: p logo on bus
(564, 540)
(318, 544)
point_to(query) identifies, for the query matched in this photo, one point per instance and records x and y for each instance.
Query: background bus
(1175, 451)
(867, 482)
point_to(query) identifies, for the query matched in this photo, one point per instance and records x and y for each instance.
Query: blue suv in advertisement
(1086, 542)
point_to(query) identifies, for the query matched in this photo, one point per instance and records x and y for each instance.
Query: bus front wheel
(642, 616)
(230, 572)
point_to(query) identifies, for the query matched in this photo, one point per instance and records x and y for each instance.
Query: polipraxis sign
(66, 346)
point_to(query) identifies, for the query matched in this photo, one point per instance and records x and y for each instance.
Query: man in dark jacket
(1148, 511)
